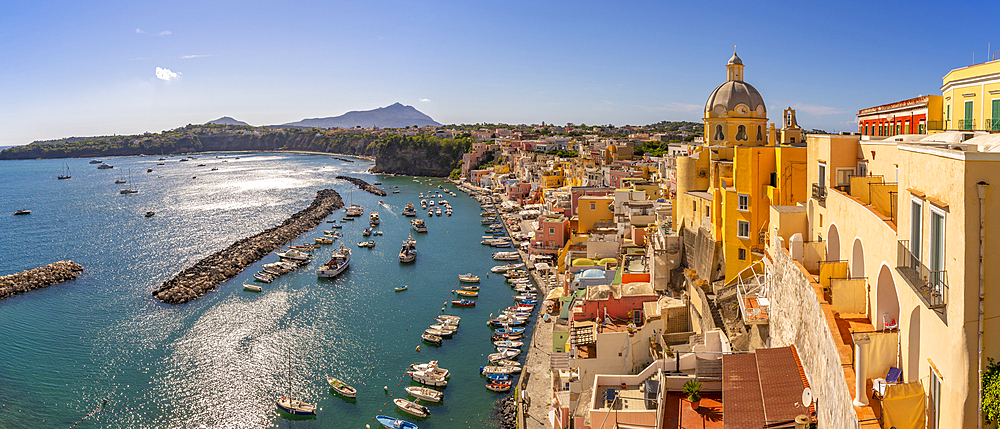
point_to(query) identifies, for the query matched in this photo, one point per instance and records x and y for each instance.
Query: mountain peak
(226, 120)
(395, 115)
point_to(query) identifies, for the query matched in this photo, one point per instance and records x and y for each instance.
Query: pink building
(551, 235)
(518, 191)
(619, 301)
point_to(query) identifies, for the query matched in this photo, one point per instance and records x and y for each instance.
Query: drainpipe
(981, 188)
(860, 396)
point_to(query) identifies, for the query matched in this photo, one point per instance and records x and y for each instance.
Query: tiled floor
(680, 415)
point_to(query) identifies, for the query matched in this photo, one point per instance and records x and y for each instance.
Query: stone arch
(833, 243)
(857, 259)
(886, 300)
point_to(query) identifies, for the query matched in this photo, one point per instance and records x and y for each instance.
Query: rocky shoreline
(505, 412)
(363, 185)
(223, 265)
(54, 273)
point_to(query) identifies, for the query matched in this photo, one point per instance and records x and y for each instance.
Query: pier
(223, 265)
(363, 185)
(54, 273)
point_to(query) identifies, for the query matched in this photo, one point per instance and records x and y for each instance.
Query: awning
(542, 266)
(554, 294)
(903, 406)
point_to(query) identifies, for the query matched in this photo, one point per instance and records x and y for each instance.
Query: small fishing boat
(263, 277)
(505, 354)
(438, 333)
(369, 244)
(323, 240)
(373, 219)
(433, 339)
(424, 393)
(394, 423)
(294, 406)
(469, 293)
(450, 317)
(444, 326)
(463, 303)
(342, 388)
(367, 232)
(22, 212)
(252, 288)
(468, 278)
(498, 377)
(428, 378)
(499, 387)
(150, 213)
(295, 255)
(508, 343)
(410, 407)
(401, 288)
(509, 330)
(336, 226)
(502, 370)
(339, 261)
(430, 368)
(453, 324)
(470, 287)
(96, 161)
(419, 225)
(504, 337)
(513, 365)
(506, 256)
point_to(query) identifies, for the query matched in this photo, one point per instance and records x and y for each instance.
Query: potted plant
(692, 388)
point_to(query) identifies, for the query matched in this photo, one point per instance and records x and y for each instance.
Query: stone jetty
(208, 273)
(56, 272)
(505, 412)
(363, 185)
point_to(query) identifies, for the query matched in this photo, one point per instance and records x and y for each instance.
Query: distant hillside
(226, 120)
(394, 116)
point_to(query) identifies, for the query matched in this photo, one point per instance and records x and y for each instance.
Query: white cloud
(425, 100)
(139, 31)
(816, 110)
(195, 56)
(164, 33)
(165, 74)
(674, 106)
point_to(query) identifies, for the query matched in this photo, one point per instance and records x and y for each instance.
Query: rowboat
(510, 330)
(252, 288)
(502, 370)
(449, 317)
(471, 293)
(498, 377)
(424, 393)
(410, 407)
(514, 365)
(467, 287)
(402, 288)
(444, 326)
(498, 387)
(369, 244)
(468, 278)
(463, 303)
(341, 387)
(438, 333)
(433, 339)
(504, 353)
(447, 322)
(502, 337)
(394, 423)
(508, 343)
(263, 277)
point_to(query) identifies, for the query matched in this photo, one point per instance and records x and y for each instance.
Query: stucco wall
(797, 319)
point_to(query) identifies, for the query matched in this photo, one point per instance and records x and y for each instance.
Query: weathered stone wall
(56, 272)
(797, 318)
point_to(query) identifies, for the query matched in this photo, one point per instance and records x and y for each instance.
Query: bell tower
(734, 69)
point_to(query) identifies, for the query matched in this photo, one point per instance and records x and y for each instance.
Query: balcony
(966, 124)
(937, 125)
(818, 192)
(930, 286)
(992, 125)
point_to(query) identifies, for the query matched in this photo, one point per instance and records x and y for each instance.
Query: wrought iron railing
(818, 192)
(966, 124)
(937, 125)
(930, 285)
(992, 125)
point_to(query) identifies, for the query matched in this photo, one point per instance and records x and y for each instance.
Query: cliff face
(412, 162)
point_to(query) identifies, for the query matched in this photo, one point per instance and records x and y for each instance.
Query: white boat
(295, 255)
(263, 277)
(341, 387)
(468, 278)
(354, 211)
(502, 370)
(504, 353)
(410, 407)
(449, 317)
(431, 368)
(294, 406)
(423, 204)
(438, 211)
(508, 343)
(373, 219)
(419, 225)
(429, 379)
(444, 327)
(252, 288)
(424, 393)
(506, 256)
(368, 244)
(409, 210)
(430, 203)
(408, 253)
(339, 260)
(430, 212)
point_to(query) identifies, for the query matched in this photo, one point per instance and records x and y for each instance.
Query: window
(552, 231)
(922, 127)
(947, 112)
(862, 168)
(994, 124)
(694, 207)
(593, 206)
(934, 401)
(742, 229)
(844, 176)
(741, 133)
(742, 202)
(760, 129)
(916, 227)
(719, 135)
(936, 248)
(822, 175)
(741, 253)
(967, 123)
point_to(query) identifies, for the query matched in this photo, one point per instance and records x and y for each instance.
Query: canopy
(583, 262)
(903, 406)
(555, 294)
(542, 266)
(606, 261)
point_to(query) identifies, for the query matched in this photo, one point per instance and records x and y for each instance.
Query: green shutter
(995, 125)
(968, 116)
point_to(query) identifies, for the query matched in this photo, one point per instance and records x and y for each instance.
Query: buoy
(386, 388)
(368, 426)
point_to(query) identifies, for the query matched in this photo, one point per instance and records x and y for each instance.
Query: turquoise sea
(220, 361)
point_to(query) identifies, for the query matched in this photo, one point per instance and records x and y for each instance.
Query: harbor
(222, 360)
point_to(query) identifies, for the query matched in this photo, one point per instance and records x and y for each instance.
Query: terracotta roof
(762, 388)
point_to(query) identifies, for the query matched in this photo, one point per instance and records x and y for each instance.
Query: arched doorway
(833, 243)
(887, 303)
(858, 259)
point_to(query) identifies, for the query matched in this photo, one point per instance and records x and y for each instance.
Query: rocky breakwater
(363, 185)
(505, 412)
(56, 272)
(208, 273)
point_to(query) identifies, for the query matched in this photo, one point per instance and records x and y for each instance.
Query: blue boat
(510, 330)
(393, 423)
(498, 377)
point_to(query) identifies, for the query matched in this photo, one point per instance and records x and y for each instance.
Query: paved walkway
(538, 390)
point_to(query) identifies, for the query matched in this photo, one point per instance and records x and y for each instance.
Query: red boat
(498, 387)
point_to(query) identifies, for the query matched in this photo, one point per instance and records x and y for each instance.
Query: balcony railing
(992, 125)
(819, 192)
(966, 124)
(930, 286)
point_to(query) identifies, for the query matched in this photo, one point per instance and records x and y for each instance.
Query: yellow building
(728, 184)
(972, 97)
(593, 209)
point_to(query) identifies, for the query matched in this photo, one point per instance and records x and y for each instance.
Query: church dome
(735, 59)
(731, 94)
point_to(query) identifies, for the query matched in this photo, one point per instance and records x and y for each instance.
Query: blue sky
(90, 68)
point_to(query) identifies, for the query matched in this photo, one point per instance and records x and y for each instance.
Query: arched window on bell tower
(719, 135)
(760, 133)
(741, 133)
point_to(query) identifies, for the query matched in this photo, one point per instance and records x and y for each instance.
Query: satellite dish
(807, 397)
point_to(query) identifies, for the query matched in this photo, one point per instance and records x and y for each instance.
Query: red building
(913, 116)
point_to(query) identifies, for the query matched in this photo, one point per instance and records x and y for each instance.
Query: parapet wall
(797, 319)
